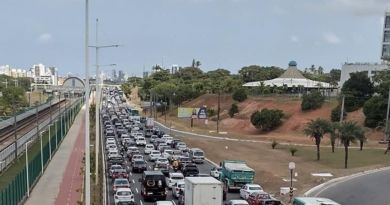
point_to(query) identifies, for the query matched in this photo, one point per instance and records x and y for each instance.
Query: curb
(333, 182)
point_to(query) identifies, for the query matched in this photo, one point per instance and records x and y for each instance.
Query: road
(366, 189)
(135, 184)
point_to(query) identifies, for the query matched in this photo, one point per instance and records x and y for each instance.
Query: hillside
(293, 123)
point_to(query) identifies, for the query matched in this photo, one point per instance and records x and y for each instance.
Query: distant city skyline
(226, 34)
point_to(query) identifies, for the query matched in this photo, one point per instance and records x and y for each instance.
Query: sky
(226, 34)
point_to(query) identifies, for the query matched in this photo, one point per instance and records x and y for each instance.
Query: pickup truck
(235, 174)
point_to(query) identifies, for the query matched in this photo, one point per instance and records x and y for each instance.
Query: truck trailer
(203, 191)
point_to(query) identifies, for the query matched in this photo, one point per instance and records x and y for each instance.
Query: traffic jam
(145, 165)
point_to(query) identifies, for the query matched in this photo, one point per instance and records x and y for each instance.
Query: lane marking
(173, 202)
(136, 190)
(131, 174)
(133, 181)
(141, 202)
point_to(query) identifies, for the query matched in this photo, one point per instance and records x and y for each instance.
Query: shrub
(267, 119)
(293, 150)
(312, 101)
(274, 144)
(375, 111)
(240, 95)
(233, 110)
(335, 114)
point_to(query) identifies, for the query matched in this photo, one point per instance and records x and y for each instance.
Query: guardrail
(19, 187)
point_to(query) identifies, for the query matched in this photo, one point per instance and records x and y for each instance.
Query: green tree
(317, 129)
(375, 111)
(357, 89)
(267, 119)
(335, 114)
(312, 101)
(257, 73)
(240, 94)
(335, 75)
(161, 76)
(349, 132)
(233, 110)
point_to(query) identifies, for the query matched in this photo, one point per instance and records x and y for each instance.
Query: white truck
(203, 190)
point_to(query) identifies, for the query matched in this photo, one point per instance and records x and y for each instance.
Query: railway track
(29, 123)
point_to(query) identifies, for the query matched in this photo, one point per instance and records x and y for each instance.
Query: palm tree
(334, 134)
(361, 137)
(317, 129)
(349, 132)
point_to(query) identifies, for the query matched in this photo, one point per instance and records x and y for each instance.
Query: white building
(386, 36)
(370, 68)
(12, 72)
(43, 74)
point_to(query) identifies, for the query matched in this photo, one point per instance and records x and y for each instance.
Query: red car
(262, 198)
(119, 173)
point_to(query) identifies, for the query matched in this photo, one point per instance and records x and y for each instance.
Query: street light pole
(87, 154)
(97, 115)
(291, 167)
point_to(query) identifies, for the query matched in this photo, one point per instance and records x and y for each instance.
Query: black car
(153, 186)
(190, 170)
(116, 160)
(138, 166)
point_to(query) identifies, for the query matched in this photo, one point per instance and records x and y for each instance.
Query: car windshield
(162, 160)
(121, 181)
(177, 177)
(123, 193)
(198, 153)
(254, 188)
(139, 162)
(264, 196)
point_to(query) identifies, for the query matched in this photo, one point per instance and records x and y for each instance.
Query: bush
(274, 144)
(312, 101)
(233, 110)
(267, 119)
(375, 111)
(335, 114)
(240, 95)
(293, 150)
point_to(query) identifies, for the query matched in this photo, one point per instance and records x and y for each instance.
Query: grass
(356, 159)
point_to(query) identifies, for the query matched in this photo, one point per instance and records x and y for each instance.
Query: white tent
(290, 78)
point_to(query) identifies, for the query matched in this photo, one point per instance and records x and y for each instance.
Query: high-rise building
(121, 76)
(114, 76)
(386, 37)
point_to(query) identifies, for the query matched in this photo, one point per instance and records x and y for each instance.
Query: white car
(180, 185)
(162, 160)
(140, 141)
(123, 195)
(154, 155)
(248, 189)
(137, 157)
(181, 146)
(215, 172)
(238, 202)
(173, 178)
(148, 148)
(167, 153)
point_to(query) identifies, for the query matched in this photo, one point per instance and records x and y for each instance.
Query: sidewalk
(57, 186)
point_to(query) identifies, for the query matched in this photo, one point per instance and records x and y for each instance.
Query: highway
(372, 188)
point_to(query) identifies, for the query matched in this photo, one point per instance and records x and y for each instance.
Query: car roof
(238, 201)
(164, 203)
(123, 189)
(175, 174)
(253, 185)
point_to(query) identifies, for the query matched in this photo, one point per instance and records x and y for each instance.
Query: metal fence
(37, 159)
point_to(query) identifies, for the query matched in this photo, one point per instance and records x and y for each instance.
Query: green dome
(292, 64)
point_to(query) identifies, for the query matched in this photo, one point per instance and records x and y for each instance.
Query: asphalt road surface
(136, 187)
(367, 189)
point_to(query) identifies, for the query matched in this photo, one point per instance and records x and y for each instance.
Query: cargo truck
(235, 174)
(203, 190)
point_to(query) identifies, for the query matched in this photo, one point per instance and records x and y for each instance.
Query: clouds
(331, 38)
(45, 38)
(294, 39)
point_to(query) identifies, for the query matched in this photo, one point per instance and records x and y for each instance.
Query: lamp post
(87, 154)
(40, 136)
(291, 167)
(27, 173)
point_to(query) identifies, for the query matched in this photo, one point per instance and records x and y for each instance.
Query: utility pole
(97, 115)
(16, 138)
(87, 154)
(150, 105)
(342, 109)
(386, 137)
(218, 109)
